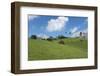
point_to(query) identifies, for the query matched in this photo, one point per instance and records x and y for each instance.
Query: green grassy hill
(48, 50)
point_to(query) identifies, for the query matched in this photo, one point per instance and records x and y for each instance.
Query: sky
(46, 26)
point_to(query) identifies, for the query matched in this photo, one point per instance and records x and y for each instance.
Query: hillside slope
(48, 50)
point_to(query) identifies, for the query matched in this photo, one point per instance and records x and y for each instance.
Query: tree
(33, 37)
(50, 38)
(80, 34)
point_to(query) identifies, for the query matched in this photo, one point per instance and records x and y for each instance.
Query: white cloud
(43, 36)
(32, 17)
(56, 24)
(73, 30)
(77, 33)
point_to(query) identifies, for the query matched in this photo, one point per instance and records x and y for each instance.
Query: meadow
(72, 48)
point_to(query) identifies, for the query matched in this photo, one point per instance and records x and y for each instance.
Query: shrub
(33, 37)
(61, 37)
(61, 42)
(50, 38)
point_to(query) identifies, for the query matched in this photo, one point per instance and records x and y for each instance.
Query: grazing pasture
(72, 48)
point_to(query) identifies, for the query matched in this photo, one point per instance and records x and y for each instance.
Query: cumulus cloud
(77, 33)
(43, 36)
(73, 30)
(56, 24)
(32, 17)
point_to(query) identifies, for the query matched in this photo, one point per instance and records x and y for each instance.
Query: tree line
(50, 38)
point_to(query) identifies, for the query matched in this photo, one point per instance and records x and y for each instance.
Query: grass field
(48, 50)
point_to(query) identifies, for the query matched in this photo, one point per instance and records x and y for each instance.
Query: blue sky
(47, 26)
